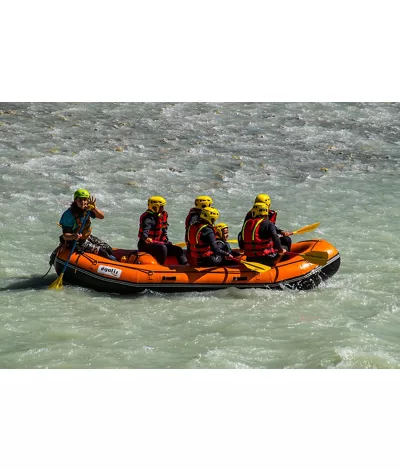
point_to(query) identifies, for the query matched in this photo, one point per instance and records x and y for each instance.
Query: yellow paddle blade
(232, 241)
(316, 257)
(307, 228)
(181, 244)
(260, 268)
(57, 284)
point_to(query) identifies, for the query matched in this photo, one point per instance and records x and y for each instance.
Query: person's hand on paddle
(149, 240)
(77, 236)
(91, 204)
(230, 258)
(286, 234)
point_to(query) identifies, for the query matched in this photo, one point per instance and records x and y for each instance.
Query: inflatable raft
(136, 271)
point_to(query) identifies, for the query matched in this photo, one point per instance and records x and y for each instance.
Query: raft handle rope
(52, 258)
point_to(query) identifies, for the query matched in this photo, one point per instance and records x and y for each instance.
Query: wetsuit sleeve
(148, 223)
(224, 246)
(268, 230)
(207, 236)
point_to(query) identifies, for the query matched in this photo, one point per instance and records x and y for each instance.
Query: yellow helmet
(259, 210)
(210, 214)
(219, 227)
(155, 202)
(263, 198)
(203, 201)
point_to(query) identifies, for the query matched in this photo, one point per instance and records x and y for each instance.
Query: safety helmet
(210, 214)
(203, 201)
(155, 202)
(263, 198)
(259, 210)
(219, 228)
(81, 193)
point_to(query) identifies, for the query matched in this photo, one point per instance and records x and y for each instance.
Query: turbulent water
(337, 163)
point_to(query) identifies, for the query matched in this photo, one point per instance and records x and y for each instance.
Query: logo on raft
(109, 271)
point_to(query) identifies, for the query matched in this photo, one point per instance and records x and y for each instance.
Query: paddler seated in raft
(204, 249)
(286, 241)
(153, 233)
(222, 235)
(259, 239)
(71, 222)
(194, 213)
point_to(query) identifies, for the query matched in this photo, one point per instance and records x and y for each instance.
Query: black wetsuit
(218, 257)
(286, 241)
(225, 246)
(160, 250)
(266, 231)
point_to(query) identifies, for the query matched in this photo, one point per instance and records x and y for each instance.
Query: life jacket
(272, 215)
(191, 213)
(159, 232)
(253, 245)
(198, 248)
(87, 229)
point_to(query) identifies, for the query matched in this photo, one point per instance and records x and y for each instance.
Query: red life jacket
(192, 211)
(198, 249)
(272, 215)
(253, 245)
(159, 232)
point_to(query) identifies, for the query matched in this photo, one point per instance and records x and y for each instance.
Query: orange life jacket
(253, 245)
(87, 229)
(198, 248)
(159, 232)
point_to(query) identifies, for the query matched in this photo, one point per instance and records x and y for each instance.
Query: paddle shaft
(307, 228)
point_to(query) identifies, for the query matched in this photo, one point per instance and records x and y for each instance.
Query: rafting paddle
(57, 284)
(260, 268)
(307, 228)
(313, 257)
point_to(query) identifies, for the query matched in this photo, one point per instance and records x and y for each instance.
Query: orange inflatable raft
(137, 271)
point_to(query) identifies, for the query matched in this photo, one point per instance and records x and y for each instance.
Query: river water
(336, 163)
